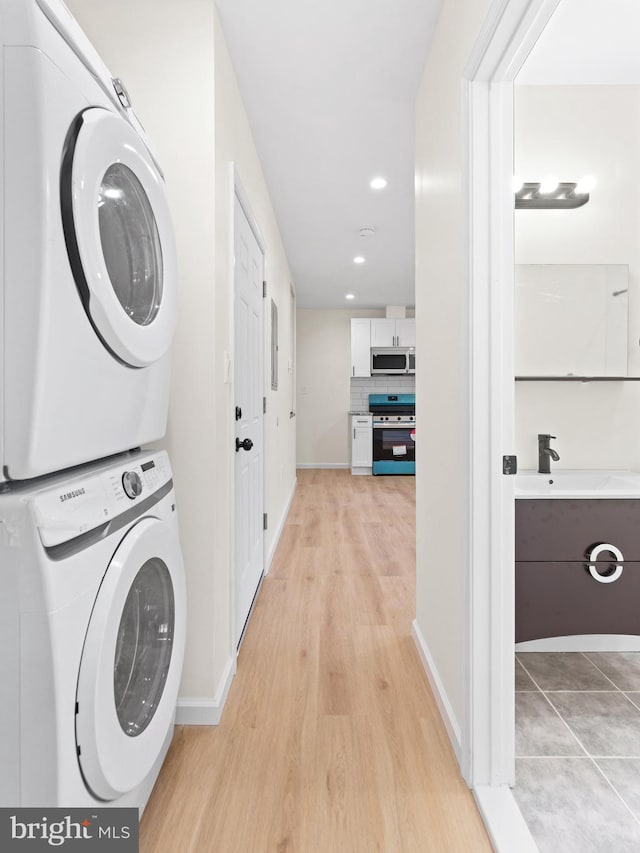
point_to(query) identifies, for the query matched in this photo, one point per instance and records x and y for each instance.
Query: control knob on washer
(132, 484)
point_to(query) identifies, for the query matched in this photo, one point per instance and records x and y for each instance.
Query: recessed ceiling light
(378, 183)
(367, 231)
(350, 296)
(358, 259)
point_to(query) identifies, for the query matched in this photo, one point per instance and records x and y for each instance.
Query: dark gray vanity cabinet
(567, 580)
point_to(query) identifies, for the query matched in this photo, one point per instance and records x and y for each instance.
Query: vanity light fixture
(551, 194)
(548, 185)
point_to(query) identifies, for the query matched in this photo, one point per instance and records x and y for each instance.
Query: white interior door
(248, 377)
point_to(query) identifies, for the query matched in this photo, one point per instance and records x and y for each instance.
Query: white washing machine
(88, 301)
(92, 632)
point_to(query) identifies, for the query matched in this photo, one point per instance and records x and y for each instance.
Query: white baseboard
(440, 694)
(280, 527)
(503, 819)
(196, 711)
(323, 465)
(583, 643)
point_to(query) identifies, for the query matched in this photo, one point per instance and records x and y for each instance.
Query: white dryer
(88, 299)
(92, 632)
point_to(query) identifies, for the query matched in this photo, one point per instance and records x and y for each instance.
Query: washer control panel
(78, 504)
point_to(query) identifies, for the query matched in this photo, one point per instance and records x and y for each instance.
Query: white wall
(323, 384)
(174, 62)
(571, 131)
(442, 482)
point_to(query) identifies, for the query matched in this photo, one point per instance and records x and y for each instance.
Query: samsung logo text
(75, 493)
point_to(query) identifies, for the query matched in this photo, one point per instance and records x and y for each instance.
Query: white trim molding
(439, 693)
(323, 465)
(280, 527)
(503, 819)
(511, 28)
(198, 711)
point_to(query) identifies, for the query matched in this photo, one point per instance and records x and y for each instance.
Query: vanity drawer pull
(593, 569)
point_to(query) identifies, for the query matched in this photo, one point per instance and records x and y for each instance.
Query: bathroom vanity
(577, 550)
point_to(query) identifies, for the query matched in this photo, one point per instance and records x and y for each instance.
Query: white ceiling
(329, 89)
(587, 42)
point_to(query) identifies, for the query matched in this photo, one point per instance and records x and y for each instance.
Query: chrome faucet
(545, 453)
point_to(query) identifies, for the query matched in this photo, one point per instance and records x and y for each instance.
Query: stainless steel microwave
(393, 360)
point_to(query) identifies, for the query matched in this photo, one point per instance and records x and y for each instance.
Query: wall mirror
(571, 320)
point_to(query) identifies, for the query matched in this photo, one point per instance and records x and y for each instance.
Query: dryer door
(119, 237)
(131, 661)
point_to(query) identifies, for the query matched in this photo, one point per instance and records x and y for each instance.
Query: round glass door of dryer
(119, 237)
(132, 661)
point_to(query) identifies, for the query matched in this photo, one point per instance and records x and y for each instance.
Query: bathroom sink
(578, 484)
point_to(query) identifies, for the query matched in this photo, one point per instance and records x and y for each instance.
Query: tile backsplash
(361, 388)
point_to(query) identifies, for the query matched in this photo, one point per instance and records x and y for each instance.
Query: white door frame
(510, 30)
(238, 191)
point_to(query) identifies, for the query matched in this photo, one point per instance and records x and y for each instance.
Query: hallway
(330, 739)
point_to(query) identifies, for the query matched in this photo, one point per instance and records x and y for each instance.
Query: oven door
(394, 449)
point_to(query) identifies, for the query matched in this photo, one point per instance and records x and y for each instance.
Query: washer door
(131, 661)
(119, 237)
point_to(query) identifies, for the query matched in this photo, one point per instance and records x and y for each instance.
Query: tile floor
(578, 750)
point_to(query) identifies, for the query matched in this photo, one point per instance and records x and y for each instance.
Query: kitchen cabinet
(393, 333)
(360, 346)
(577, 567)
(361, 444)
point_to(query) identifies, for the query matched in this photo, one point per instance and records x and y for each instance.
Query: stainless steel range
(394, 433)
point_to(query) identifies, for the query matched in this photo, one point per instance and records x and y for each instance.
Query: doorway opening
(500, 54)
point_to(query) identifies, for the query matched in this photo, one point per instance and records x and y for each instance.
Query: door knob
(247, 444)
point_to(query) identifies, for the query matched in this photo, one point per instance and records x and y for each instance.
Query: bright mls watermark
(80, 830)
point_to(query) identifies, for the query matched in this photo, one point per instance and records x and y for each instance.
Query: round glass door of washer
(132, 661)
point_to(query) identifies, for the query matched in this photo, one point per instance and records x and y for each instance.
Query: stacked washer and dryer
(92, 606)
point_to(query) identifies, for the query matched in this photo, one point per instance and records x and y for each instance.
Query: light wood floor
(330, 740)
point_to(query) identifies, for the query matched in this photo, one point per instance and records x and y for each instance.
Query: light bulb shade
(585, 185)
(548, 184)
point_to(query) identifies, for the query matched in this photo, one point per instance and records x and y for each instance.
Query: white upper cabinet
(406, 332)
(361, 347)
(393, 333)
(383, 333)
